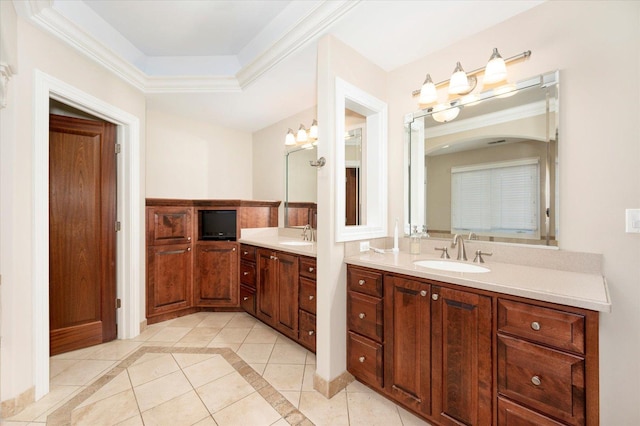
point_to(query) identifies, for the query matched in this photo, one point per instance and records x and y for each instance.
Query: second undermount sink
(451, 266)
(296, 243)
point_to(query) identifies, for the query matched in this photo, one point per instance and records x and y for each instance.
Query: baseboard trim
(332, 387)
(11, 407)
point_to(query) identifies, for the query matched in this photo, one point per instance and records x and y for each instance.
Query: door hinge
(118, 148)
(118, 303)
(117, 226)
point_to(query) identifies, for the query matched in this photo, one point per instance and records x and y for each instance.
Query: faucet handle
(479, 254)
(445, 252)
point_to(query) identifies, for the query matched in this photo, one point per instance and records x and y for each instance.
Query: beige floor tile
(206, 422)
(252, 410)
(292, 396)
(231, 335)
(108, 411)
(83, 373)
(408, 419)
(207, 371)
(148, 357)
(189, 321)
(225, 391)
(259, 368)
(147, 334)
(152, 369)
(356, 386)
(184, 410)
(325, 412)
(118, 384)
(284, 353)
(217, 319)
(281, 422)
(307, 380)
(233, 346)
(202, 335)
(57, 366)
(161, 390)
(116, 350)
(311, 358)
(284, 377)
(255, 352)
(185, 360)
(133, 421)
(371, 409)
(78, 354)
(170, 334)
(261, 335)
(56, 395)
(242, 320)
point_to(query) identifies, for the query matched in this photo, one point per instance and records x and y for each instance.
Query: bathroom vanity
(516, 345)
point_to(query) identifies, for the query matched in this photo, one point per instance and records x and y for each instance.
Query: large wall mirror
(488, 166)
(301, 192)
(361, 164)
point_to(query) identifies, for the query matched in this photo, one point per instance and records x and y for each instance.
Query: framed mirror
(301, 191)
(488, 167)
(361, 164)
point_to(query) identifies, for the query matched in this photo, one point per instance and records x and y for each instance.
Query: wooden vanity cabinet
(277, 290)
(248, 278)
(307, 303)
(216, 281)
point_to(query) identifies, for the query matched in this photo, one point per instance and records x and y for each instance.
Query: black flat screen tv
(217, 225)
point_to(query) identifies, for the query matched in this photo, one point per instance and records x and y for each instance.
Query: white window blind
(496, 198)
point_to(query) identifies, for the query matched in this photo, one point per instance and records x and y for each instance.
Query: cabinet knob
(233, 249)
(423, 293)
(361, 282)
(536, 380)
(188, 248)
(311, 269)
(311, 297)
(245, 253)
(361, 359)
(361, 315)
(434, 296)
(245, 298)
(188, 238)
(245, 273)
(311, 332)
(535, 325)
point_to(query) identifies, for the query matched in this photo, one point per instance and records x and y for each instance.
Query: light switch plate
(632, 221)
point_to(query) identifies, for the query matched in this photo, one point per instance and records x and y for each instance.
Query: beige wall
(589, 42)
(194, 159)
(42, 52)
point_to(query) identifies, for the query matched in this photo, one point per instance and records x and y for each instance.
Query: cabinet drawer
(563, 330)
(248, 253)
(364, 359)
(542, 378)
(248, 273)
(248, 299)
(510, 414)
(307, 330)
(364, 281)
(308, 267)
(307, 295)
(364, 315)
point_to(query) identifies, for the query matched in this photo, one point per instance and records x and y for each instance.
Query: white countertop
(588, 291)
(269, 238)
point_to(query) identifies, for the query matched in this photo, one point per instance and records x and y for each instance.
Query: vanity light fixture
(463, 84)
(306, 138)
(290, 139)
(302, 134)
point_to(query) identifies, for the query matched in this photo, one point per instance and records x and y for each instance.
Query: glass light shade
(496, 69)
(443, 113)
(313, 130)
(302, 134)
(459, 83)
(428, 93)
(290, 139)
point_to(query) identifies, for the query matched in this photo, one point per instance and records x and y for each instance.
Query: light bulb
(443, 113)
(313, 130)
(302, 134)
(459, 83)
(428, 93)
(496, 70)
(290, 139)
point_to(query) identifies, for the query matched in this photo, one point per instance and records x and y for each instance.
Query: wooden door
(407, 346)
(461, 357)
(287, 294)
(217, 281)
(267, 290)
(82, 217)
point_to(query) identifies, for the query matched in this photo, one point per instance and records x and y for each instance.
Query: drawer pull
(311, 269)
(423, 293)
(244, 253)
(233, 249)
(434, 296)
(361, 282)
(535, 325)
(245, 273)
(536, 380)
(188, 238)
(245, 298)
(311, 332)
(311, 297)
(361, 359)
(361, 315)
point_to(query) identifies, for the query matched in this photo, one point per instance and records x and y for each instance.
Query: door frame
(130, 212)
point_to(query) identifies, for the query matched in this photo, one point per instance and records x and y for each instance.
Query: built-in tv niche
(217, 225)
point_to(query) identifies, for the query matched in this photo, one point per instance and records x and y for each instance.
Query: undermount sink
(451, 266)
(296, 243)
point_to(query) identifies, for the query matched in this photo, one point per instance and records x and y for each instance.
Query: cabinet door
(407, 349)
(461, 357)
(217, 280)
(267, 286)
(169, 271)
(287, 294)
(169, 225)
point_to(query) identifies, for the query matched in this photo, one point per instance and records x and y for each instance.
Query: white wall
(36, 51)
(196, 160)
(596, 47)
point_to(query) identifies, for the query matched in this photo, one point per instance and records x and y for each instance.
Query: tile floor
(179, 372)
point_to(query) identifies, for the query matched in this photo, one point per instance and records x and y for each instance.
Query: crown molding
(41, 14)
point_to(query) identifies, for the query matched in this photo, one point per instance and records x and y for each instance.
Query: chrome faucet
(459, 241)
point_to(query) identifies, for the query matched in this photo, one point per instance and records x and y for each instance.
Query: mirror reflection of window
(354, 178)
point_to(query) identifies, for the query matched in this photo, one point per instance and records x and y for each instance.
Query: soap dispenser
(414, 244)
